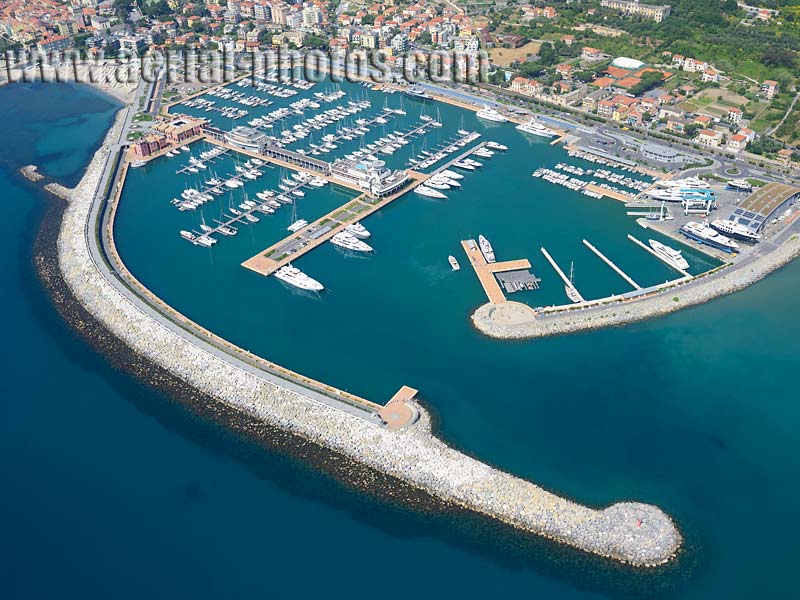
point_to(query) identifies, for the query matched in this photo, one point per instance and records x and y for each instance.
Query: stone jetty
(630, 532)
(31, 172)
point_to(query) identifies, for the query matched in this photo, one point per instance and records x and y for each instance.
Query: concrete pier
(320, 231)
(485, 271)
(611, 264)
(608, 193)
(558, 270)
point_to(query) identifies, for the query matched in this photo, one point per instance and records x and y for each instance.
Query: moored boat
(671, 256)
(486, 249)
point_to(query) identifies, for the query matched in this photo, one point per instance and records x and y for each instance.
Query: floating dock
(611, 264)
(654, 253)
(558, 270)
(486, 271)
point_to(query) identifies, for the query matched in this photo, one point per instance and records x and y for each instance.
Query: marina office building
(370, 176)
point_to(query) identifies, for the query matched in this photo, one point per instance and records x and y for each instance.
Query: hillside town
(560, 54)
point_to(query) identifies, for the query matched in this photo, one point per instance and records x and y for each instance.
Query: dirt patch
(503, 57)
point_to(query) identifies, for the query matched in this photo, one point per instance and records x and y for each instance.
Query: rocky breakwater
(634, 533)
(512, 320)
(31, 172)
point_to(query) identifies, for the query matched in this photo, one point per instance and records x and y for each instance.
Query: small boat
(453, 263)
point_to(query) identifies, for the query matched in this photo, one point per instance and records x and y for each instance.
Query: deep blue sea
(111, 490)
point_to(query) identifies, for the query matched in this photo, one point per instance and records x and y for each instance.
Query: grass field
(714, 101)
(503, 57)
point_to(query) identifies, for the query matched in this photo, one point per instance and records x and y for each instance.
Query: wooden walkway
(296, 245)
(485, 271)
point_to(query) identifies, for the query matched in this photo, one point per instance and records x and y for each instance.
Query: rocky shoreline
(31, 173)
(512, 320)
(628, 532)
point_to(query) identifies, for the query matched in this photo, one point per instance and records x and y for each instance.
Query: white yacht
(453, 263)
(297, 225)
(735, 230)
(486, 249)
(534, 127)
(740, 185)
(437, 184)
(358, 230)
(487, 113)
(701, 232)
(188, 235)
(666, 194)
(672, 257)
(295, 277)
(424, 190)
(350, 242)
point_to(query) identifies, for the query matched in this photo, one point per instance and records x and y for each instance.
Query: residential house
(709, 138)
(769, 89)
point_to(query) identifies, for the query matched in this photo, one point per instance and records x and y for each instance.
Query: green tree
(547, 54)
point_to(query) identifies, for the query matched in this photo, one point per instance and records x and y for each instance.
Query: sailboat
(572, 292)
(461, 130)
(401, 110)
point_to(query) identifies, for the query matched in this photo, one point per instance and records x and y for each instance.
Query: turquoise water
(111, 490)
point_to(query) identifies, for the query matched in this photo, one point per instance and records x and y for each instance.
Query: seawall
(512, 320)
(630, 532)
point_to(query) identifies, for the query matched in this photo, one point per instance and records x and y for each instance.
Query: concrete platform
(485, 271)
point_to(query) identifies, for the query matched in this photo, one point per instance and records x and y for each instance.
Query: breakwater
(512, 320)
(31, 172)
(630, 532)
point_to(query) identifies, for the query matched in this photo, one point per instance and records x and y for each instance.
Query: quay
(606, 192)
(659, 257)
(611, 264)
(558, 270)
(486, 271)
(313, 235)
